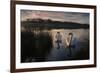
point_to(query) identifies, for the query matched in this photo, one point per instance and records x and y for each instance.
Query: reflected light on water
(80, 34)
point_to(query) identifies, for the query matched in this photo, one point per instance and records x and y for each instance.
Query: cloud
(61, 16)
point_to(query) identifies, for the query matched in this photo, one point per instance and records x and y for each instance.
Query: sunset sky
(58, 16)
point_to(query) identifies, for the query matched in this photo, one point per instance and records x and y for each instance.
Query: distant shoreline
(51, 24)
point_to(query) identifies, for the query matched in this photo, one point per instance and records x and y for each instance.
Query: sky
(82, 18)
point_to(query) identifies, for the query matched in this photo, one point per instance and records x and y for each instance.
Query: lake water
(80, 42)
(40, 39)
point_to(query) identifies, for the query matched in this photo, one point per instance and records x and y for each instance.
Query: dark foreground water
(39, 45)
